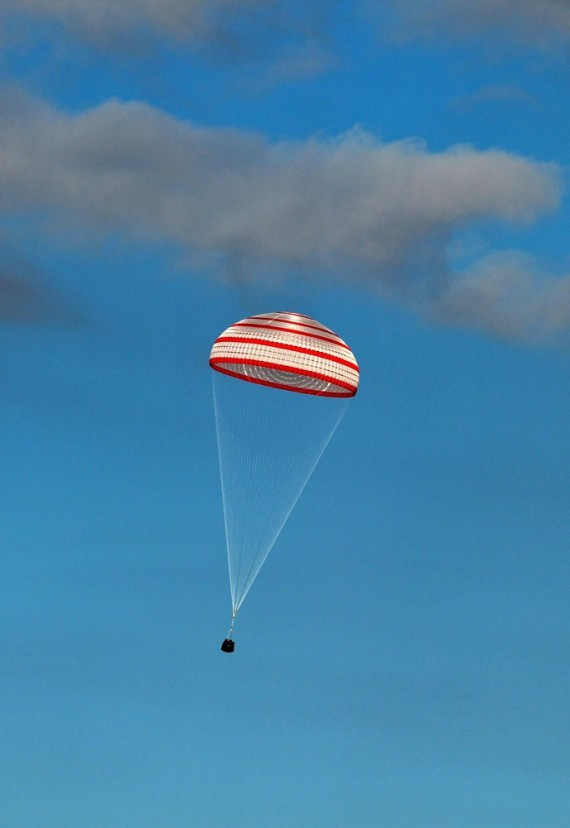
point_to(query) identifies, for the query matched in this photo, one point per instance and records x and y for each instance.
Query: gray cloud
(106, 22)
(297, 36)
(30, 303)
(349, 208)
(508, 295)
(538, 22)
(25, 297)
(236, 28)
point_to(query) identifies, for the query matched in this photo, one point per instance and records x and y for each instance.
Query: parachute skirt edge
(344, 389)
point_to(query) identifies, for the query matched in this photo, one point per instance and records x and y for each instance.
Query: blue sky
(399, 171)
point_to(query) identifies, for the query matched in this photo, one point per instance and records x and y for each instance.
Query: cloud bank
(352, 208)
(108, 23)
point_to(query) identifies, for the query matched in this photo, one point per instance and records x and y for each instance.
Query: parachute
(281, 384)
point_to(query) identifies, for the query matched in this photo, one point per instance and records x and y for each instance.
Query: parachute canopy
(287, 351)
(281, 385)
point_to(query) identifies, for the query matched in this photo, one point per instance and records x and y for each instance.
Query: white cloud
(351, 208)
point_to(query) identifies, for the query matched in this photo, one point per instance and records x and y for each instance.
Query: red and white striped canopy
(289, 351)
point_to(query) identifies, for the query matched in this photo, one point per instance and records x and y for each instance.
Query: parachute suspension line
(269, 444)
(299, 467)
(258, 418)
(252, 470)
(223, 481)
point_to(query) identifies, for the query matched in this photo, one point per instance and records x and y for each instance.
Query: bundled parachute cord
(231, 629)
(228, 645)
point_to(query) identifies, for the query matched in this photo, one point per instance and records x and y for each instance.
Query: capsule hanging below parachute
(281, 385)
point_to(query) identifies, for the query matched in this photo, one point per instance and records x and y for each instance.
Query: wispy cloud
(300, 61)
(106, 23)
(25, 295)
(352, 208)
(541, 23)
(29, 302)
(289, 32)
(494, 93)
